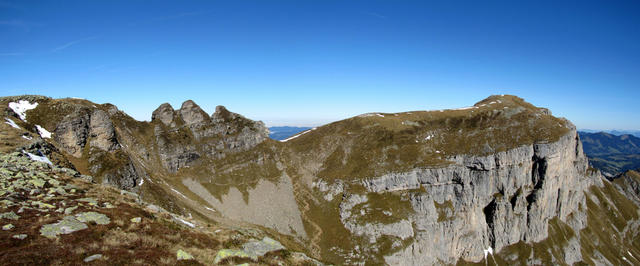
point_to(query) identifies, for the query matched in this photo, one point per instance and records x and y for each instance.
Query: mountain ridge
(374, 188)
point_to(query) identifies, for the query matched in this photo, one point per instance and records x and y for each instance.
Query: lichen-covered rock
(95, 217)
(262, 247)
(183, 255)
(8, 227)
(253, 250)
(19, 236)
(136, 220)
(70, 210)
(230, 253)
(67, 225)
(9, 215)
(90, 201)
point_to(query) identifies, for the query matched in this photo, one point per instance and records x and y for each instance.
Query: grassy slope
(376, 144)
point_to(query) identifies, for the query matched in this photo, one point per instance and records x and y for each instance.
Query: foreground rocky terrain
(501, 182)
(54, 215)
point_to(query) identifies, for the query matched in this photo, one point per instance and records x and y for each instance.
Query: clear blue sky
(311, 62)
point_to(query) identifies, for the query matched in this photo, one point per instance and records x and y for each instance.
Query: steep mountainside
(612, 154)
(501, 182)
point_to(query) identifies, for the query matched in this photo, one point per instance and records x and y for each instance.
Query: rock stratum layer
(500, 182)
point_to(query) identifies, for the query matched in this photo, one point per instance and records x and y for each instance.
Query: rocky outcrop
(192, 114)
(94, 127)
(165, 114)
(72, 132)
(628, 183)
(102, 132)
(189, 134)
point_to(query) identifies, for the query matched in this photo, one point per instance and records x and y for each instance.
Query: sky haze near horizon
(306, 63)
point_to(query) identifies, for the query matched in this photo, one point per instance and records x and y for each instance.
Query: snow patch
(429, 137)
(43, 132)
(11, 123)
(209, 209)
(26, 137)
(179, 193)
(465, 108)
(298, 135)
(380, 115)
(192, 225)
(141, 181)
(37, 158)
(21, 108)
(488, 251)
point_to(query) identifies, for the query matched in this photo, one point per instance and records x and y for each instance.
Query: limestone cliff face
(491, 201)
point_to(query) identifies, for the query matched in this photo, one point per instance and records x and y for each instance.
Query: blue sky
(312, 62)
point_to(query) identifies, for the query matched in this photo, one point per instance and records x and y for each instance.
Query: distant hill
(280, 133)
(614, 132)
(612, 154)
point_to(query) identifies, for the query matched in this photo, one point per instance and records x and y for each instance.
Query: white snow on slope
(179, 193)
(488, 251)
(465, 108)
(37, 158)
(27, 137)
(298, 135)
(21, 108)
(185, 222)
(43, 132)
(11, 123)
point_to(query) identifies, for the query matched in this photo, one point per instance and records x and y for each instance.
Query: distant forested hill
(280, 133)
(612, 154)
